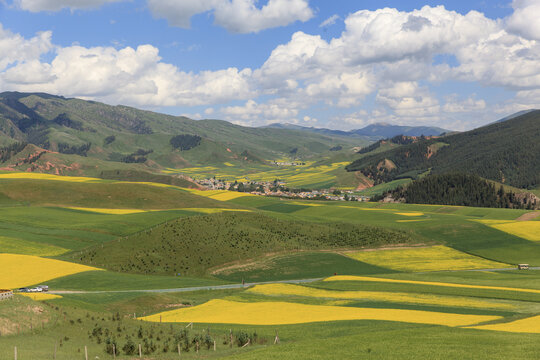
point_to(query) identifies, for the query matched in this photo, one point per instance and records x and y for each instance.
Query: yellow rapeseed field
(221, 195)
(410, 213)
(435, 258)
(430, 283)
(527, 325)
(24, 270)
(213, 210)
(424, 299)
(41, 296)
(109, 211)
(282, 313)
(529, 230)
(40, 176)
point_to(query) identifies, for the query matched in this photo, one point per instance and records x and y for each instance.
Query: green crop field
(374, 310)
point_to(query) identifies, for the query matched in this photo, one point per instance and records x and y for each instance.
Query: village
(278, 188)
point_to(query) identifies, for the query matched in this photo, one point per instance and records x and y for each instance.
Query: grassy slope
(302, 265)
(265, 142)
(107, 194)
(194, 245)
(454, 226)
(345, 339)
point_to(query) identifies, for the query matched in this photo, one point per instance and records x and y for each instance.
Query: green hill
(506, 152)
(193, 245)
(126, 138)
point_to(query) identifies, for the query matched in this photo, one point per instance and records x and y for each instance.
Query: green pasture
(303, 265)
(113, 281)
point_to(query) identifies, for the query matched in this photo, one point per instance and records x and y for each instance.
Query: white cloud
(253, 113)
(237, 16)
(309, 119)
(525, 20)
(409, 100)
(57, 5)
(330, 21)
(15, 48)
(453, 105)
(386, 52)
(129, 76)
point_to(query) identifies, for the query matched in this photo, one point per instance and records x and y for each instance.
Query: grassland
(194, 245)
(385, 308)
(301, 265)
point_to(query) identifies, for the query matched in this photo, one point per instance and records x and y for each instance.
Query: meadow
(435, 284)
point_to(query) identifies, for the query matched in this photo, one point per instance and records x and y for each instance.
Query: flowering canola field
(529, 230)
(282, 313)
(424, 299)
(40, 176)
(220, 195)
(109, 211)
(430, 283)
(25, 270)
(137, 211)
(527, 325)
(435, 258)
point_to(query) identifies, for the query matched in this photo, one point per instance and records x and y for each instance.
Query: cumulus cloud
(253, 113)
(237, 16)
(409, 100)
(15, 48)
(394, 56)
(128, 76)
(453, 105)
(57, 5)
(525, 19)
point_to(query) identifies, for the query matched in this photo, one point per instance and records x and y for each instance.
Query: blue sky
(338, 64)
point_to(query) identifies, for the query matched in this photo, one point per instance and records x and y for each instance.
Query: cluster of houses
(279, 189)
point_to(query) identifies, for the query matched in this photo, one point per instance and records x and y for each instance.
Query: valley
(370, 269)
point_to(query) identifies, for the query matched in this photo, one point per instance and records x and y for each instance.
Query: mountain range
(374, 131)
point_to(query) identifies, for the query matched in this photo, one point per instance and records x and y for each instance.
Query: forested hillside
(460, 190)
(506, 152)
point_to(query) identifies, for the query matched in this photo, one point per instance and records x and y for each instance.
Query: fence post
(140, 351)
(85, 352)
(214, 345)
(179, 353)
(55, 345)
(15, 353)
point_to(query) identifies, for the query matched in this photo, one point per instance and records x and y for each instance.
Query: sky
(337, 64)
